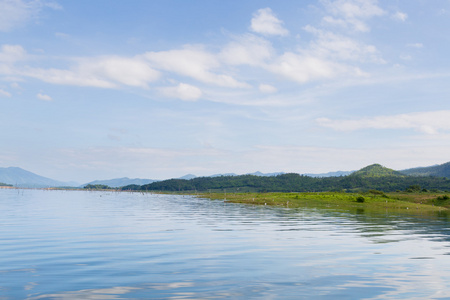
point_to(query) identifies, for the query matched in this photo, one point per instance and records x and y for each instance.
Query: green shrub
(376, 192)
(360, 199)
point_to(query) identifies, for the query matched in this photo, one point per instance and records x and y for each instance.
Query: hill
(376, 170)
(442, 170)
(21, 178)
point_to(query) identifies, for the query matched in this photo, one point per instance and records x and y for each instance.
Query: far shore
(377, 202)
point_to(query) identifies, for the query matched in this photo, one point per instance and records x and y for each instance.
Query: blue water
(109, 245)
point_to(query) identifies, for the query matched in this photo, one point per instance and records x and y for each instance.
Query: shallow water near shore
(111, 245)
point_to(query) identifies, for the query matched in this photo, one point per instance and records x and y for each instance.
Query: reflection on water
(107, 245)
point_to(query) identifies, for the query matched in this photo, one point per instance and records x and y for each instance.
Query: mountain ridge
(442, 170)
(19, 177)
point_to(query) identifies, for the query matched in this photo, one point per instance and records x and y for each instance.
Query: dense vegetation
(374, 177)
(372, 201)
(97, 187)
(5, 184)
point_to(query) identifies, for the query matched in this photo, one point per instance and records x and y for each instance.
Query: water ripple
(106, 245)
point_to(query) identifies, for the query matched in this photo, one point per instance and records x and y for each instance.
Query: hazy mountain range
(21, 178)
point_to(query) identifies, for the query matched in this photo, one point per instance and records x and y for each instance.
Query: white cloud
(335, 46)
(305, 68)
(267, 88)
(127, 71)
(193, 62)
(182, 91)
(62, 35)
(400, 16)
(103, 72)
(15, 85)
(266, 23)
(16, 13)
(68, 77)
(10, 54)
(415, 45)
(405, 57)
(44, 97)
(247, 50)
(13, 13)
(425, 122)
(4, 93)
(352, 13)
(327, 56)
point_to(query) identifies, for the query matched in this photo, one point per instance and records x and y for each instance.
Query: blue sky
(158, 89)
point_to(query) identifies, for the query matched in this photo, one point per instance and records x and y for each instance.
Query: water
(108, 245)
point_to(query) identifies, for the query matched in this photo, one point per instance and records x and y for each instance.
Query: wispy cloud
(103, 72)
(247, 49)
(44, 97)
(425, 122)
(339, 47)
(16, 13)
(193, 62)
(305, 68)
(352, 14)
(265, 22)
(127, 71)
(182, 91)
(415, 45)
(10, 54)
(267, 88)
(4, 93)
(400, 16)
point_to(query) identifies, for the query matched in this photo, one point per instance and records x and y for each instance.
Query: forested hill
(376, 170)
(371, 177)
(442, 170)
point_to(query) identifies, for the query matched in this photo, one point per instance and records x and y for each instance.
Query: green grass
(374, 201)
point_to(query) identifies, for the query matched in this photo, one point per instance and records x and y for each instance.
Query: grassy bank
(411, 203)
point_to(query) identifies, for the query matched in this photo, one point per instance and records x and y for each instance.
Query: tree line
(296, 183)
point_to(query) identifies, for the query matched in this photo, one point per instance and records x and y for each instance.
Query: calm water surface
(106, 245)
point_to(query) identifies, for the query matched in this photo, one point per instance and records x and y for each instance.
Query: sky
(160, 89)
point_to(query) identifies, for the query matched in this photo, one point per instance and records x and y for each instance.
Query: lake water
(109, 245)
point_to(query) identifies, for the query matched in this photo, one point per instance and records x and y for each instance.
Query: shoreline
(377, 203)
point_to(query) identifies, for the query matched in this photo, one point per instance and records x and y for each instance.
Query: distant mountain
(21, 178)
(376, 170)
(266, 174)
(187, 177)
(436, 170)
(224, 174)
(118, 182)
(330, 174)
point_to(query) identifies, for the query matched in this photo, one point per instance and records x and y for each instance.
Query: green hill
(438, 171)
(376, 170)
